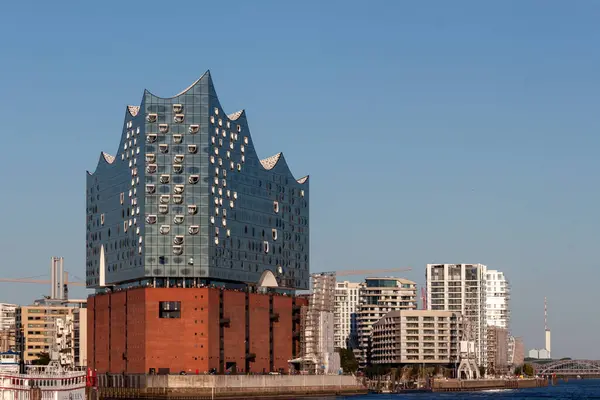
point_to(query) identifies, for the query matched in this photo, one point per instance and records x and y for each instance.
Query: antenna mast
(545, 314)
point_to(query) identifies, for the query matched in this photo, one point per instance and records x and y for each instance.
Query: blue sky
(433, 131)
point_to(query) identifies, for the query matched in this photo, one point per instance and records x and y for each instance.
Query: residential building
(7, 327)
(416, 337)
(317, 341)
(461, 288)
(346, 305)
(497, 350)
(188, 230)
(37, 329)
(377, 297)
(497, 299)
(516, 351)
(71, 339)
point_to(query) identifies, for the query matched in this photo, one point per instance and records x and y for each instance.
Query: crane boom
(370, 271)
(338, 273)
(39, 281)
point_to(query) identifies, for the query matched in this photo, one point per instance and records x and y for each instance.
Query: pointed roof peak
(205, 75)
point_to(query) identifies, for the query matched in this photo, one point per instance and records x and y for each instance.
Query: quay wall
(235, 386)
(248, 381)
(453, 385)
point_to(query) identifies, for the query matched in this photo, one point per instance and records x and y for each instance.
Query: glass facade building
(186, 201)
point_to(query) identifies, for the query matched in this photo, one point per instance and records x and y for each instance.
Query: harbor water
(574, 389)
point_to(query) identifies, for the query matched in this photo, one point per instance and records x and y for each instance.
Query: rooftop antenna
(548, 336)
(545, 314)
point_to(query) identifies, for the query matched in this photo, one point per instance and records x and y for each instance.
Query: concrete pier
(230, 387)
(454, 385)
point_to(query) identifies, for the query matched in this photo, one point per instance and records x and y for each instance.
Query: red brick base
(218, 329)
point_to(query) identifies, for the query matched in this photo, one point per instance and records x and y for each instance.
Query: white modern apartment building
(416, 337)
(346, 305)
(461, 288)
(377, 297)
(7, 326)
(71, 339)
(318, 354)
(497, 299)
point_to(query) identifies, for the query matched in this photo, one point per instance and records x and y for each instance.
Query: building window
(169, 309)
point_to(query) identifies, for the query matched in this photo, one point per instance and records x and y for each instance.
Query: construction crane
(337, 273)
(40, 281)
(369, 271)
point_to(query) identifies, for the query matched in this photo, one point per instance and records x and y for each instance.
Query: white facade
(317, 342)
(461, 288)
(377, 297)
(70, 339)
(7, 327)
(416, 337)
(346, 304)
(539, 354)
(329, 358)
(534, 353)
(64, 341)
(497, 299)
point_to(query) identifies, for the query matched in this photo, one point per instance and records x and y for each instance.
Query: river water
(576, 390)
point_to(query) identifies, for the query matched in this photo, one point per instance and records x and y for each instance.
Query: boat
(49, 382)
(9, 361)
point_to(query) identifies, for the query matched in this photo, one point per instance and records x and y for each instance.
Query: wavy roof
(269, 162)
(133, 110)
(108, 158)
(236, 115)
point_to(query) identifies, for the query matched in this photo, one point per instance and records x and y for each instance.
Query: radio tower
(546, 330)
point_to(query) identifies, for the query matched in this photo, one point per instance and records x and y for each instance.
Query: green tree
(518, 370)
(43, 359)
(347, 360)
(528, 369)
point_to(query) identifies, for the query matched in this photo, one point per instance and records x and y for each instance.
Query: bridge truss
(569, 367)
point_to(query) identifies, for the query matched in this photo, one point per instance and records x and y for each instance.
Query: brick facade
(216, 329)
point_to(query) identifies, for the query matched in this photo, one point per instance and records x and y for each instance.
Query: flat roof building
(37, 327)
(416, 337)
(7, 327)
(497, 299)
(461, 288)
(346, 305)
(378, 296)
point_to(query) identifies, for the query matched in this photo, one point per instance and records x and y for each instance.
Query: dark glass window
(169, 309)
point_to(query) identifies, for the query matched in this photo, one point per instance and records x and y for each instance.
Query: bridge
(583, 368)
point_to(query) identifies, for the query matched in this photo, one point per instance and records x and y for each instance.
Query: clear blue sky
(433, 131)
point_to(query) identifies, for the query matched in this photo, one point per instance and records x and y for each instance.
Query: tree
(528, 369)
(347, 360)
(43, 359)
(518, 370)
